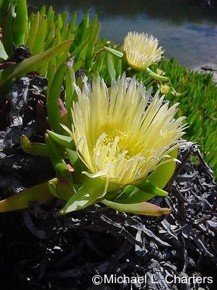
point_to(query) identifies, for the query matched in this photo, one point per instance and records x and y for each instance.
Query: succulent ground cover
(42, 80)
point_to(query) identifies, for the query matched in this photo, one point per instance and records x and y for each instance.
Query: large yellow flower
(141, 50)
(119, 134)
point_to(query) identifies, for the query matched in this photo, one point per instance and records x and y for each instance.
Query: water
(186, 29)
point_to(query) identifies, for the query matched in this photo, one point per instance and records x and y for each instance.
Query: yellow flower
(164, 88)
(118, 134)
(141, 50)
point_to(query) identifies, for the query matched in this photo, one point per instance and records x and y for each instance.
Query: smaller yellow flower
(164, 88)
(141, 50)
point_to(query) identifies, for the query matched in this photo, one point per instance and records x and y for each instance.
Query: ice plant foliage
(120, 134)
(141, 50)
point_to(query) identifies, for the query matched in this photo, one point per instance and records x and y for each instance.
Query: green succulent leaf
(111, 68)
(62, 188)
(34, 22)
(3, 53)
(156, 76)
(30, 64)
(143, 208)
(70, 80)
(132, 194)
(20, 24)
(33, 148)
(65, 141)
(7, 26)
(65, 188)
(114, 51)
(163, 173)
(40, 193)
(61, 170)
(54, 92)
(40, 35)
(147, 186)
(52, 185)
(75, 160)
(55, 154)
(137, 193)
(94, 28)
(3, 8)
(87, 194)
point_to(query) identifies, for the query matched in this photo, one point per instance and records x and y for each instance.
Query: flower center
(127, 142)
